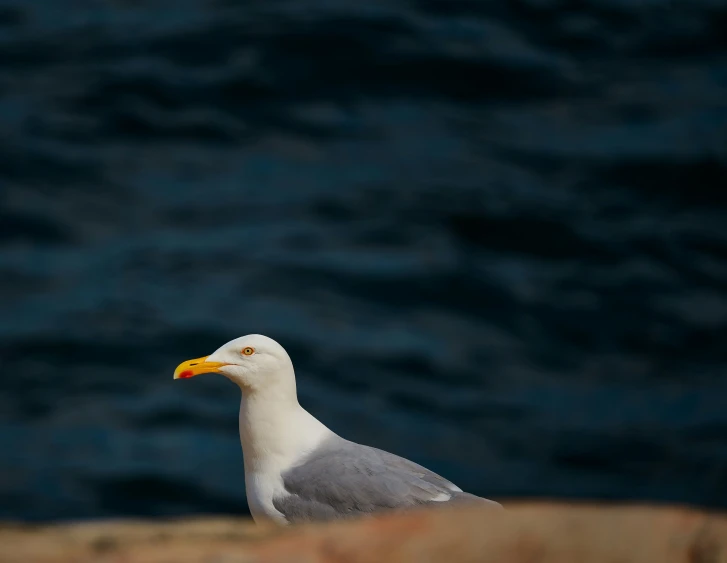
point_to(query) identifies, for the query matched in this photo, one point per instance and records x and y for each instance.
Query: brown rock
(525, 533)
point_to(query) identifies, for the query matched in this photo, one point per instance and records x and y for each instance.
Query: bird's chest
(261, 488)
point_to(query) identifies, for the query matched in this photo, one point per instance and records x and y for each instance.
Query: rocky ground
(542, 533)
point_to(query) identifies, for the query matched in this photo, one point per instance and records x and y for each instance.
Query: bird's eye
(248, 351)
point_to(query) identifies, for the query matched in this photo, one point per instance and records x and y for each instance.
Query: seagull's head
(253, 362)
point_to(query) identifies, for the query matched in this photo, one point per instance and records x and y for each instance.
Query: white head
(254, 362)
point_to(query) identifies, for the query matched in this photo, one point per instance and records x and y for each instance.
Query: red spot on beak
(186, 374)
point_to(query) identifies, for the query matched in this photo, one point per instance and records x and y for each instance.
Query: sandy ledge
(524, 533)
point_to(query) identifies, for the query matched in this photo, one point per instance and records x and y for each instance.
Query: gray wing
(343, 479)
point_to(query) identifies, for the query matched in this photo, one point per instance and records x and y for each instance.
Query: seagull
(296, 469)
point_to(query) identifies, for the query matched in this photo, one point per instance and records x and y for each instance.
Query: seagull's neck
(276, 431)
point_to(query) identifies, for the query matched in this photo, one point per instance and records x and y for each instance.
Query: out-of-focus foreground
(524, 533)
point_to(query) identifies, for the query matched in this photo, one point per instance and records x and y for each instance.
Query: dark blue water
(492, 236)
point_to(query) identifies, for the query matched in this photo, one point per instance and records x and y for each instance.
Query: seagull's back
(341, 479)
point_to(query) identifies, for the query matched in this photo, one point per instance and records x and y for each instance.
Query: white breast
(273, 441)
(261, 489)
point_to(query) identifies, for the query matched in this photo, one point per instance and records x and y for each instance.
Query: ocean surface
(492, 236)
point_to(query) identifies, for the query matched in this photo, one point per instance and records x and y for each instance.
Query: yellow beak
(190, 368)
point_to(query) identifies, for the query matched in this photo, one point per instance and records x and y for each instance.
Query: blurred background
(492, 236)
